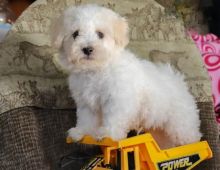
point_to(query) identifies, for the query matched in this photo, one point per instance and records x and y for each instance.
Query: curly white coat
(114, 90)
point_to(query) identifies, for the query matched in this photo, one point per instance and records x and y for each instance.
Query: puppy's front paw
(100, 134)
(75, 133)
(112, 133)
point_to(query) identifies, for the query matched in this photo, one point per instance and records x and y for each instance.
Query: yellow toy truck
(146, 154)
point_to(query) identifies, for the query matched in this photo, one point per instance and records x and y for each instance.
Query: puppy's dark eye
(100, 34)
(75, 34)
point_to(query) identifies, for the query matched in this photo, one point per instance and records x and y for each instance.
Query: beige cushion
(29, 75)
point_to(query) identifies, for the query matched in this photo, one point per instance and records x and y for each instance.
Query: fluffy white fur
(114, 90)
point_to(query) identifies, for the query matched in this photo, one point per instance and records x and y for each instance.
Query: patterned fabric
(29, 73)
(210, 133)
(33, 138)
(27, 139)
(189, 11)
(209, 46)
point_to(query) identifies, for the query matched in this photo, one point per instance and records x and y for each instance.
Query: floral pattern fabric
(209, 46)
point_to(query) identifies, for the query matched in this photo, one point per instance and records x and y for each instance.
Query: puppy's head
(89, 36)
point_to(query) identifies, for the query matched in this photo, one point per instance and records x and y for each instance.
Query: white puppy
(116, 92)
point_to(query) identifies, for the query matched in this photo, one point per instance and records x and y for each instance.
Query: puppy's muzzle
(87, 50)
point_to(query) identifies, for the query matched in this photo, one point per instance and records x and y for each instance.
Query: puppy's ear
(57, 32)
(121, 32)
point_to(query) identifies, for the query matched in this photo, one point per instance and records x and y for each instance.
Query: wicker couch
(35, 106)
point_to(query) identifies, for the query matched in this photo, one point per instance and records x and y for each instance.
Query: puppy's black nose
(87, 50)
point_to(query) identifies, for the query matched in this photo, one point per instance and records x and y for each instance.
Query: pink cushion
(209, 46)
